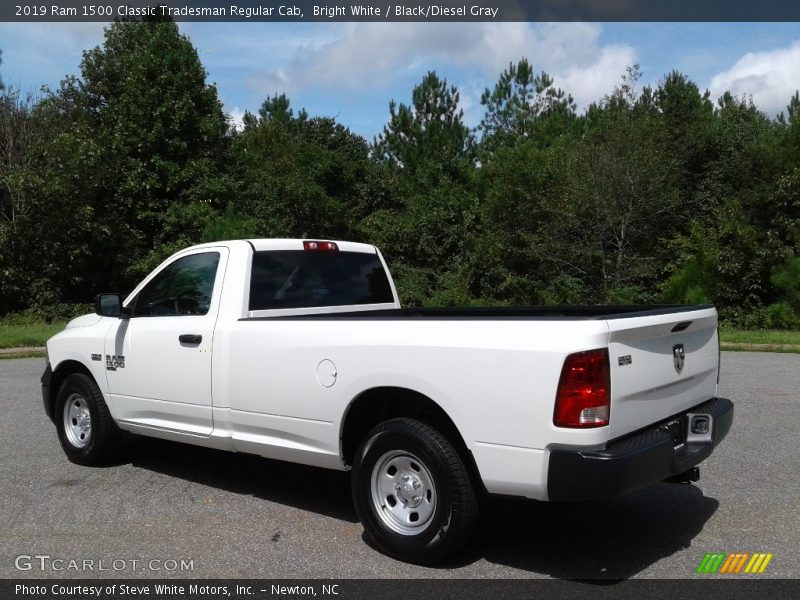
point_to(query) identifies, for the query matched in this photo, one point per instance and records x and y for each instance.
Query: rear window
(299, 279)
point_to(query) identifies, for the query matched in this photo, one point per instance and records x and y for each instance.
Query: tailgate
(660, 365)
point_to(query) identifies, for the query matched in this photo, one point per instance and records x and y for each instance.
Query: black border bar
(704, 586)
(407, 10)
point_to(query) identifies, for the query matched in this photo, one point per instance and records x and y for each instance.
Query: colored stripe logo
(734, 563)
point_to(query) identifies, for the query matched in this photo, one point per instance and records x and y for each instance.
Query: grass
(772, 337)
(30, 334)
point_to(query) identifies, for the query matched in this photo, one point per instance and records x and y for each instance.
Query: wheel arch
(378, 404)
(63, 370)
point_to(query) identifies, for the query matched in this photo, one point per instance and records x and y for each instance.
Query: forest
(654, 194)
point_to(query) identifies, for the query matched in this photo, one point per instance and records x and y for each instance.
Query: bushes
(53, 313)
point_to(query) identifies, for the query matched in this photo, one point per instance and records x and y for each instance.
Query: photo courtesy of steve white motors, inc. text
(194, 590)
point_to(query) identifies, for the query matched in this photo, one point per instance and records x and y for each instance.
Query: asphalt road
(243, 516)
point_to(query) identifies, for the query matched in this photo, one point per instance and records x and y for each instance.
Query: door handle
(190, 338)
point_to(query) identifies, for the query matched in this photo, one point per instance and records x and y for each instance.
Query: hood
(83, 321)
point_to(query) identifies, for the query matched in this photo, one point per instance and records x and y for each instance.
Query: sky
(351, 71)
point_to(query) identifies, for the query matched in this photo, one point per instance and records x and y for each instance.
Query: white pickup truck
(298, 350)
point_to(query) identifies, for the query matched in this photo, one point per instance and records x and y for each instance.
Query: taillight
(584, 390)
(316, 245)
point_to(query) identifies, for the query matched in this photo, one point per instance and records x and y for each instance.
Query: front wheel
(413, 492)
(86, 430)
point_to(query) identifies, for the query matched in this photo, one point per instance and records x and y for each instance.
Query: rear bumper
(635, 461)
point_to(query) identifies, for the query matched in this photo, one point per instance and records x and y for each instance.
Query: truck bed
(600, 312)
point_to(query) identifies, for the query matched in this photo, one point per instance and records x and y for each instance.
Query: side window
(183, 287)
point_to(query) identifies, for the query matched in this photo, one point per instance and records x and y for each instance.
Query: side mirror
(110, 305)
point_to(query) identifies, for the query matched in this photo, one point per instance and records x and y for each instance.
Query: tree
(688, 117)
(652, 193)
(521, 257)
(428, 138)
(122, 166)
(276, 108)
(161, 126)
(743, 233)
(431, 154)
(524, 168)
(791, 123)
(17, 136)
(298, 176)
(55, 238)
(524, 105)
(624, 202)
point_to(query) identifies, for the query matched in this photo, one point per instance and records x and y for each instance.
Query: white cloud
(56, 37)
(363, 56)
(236, 115)
(77, 34)
(770, 77)
(592, 82)
(37, 53)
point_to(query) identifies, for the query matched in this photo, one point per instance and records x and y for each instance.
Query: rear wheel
(86, 430)
(413, 492)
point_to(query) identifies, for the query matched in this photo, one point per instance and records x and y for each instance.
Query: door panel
(157, 380)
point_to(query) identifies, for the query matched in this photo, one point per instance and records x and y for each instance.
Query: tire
(85, 428)
(412, 492)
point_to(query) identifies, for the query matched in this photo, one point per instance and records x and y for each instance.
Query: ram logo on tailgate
(678, 357)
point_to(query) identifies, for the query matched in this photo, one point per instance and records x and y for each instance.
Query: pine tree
(429, 135)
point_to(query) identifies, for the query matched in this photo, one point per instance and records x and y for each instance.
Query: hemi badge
(97, 357)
